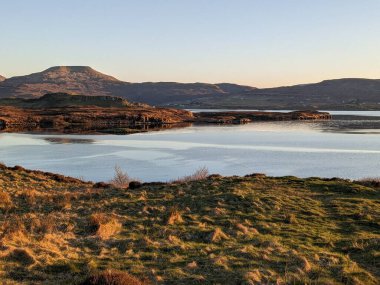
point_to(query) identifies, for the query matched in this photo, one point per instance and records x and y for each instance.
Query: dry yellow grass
(5, 201)
(112, 277)
(104, 226)
(175, 217)
(219, 230)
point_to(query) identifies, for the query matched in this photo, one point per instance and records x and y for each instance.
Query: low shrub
(370, 181)
(135, 185)
(121, 179)
(199, 174)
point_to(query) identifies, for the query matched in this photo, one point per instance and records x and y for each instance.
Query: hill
(2, 78)
(349, 93)
(73, 79)
(86, 81)
(220, 230)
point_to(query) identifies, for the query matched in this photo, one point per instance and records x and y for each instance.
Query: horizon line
(190, 82)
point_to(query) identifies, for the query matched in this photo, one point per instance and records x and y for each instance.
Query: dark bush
(18, 168)
(135, 185)
(102, 185)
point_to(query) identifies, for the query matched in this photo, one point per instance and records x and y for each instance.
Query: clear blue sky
(255, 42)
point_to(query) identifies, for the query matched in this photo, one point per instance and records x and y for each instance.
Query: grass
(219, 230)
(103, 225)
(200, 174)
(112, 277)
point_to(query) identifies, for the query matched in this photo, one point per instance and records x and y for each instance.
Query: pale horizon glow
(250, 42)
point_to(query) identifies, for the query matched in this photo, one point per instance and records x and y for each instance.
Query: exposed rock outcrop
(246, 117)
(85, 117)
(79, 112)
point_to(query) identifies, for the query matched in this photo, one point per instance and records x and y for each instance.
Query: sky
(260, 43)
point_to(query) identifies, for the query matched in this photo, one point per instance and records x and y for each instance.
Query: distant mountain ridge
(336, 94)
(2, 78)
(87, 81)
(349, 93)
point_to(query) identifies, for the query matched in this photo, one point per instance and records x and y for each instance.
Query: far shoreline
(107, 114)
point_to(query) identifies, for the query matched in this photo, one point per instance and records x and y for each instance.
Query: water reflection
(91, 130)
(355, 126)
(337, 113)
(343, 148)
(57, 140)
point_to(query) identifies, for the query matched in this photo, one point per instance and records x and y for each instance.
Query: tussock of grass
(200, 174)
(175, 217)
(104, 226)
(219, 230)
(5, 201)
(22, 256)
(217, 235)
(112, 277)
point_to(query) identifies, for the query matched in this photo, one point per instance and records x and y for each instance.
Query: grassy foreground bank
(221, 230)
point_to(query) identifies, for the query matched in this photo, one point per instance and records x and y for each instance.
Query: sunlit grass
(214, 230)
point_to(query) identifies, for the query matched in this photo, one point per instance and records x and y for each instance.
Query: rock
(242, 117)
(256, 175)
(102, 185)
(18, 168)
(135, 185)
(215, 176)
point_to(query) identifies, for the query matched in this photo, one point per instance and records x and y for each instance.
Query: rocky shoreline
(89, 118)
(241, 117)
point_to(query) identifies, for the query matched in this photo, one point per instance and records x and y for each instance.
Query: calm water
(343, 148)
